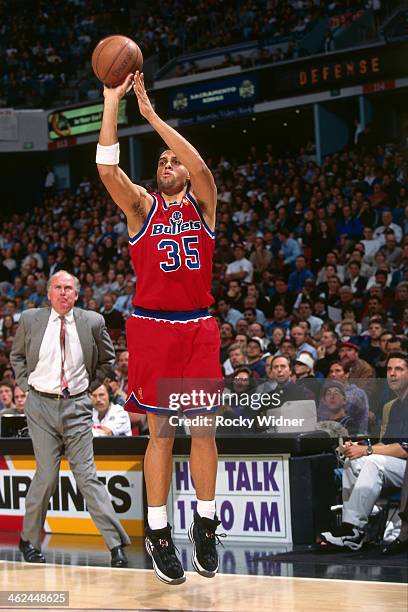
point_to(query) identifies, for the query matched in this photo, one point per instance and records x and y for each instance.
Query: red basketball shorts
(170, 354)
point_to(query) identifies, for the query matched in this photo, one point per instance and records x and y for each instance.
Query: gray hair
(76, 280)
(235, 347)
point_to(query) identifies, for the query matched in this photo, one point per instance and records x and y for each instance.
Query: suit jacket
(97, 347)
(360, 284)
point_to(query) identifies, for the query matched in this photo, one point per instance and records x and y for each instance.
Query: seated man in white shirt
(241, 268)
(108, 419)
(386, 217)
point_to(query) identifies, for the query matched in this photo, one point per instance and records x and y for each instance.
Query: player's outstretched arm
(202, 181)
(132, 199)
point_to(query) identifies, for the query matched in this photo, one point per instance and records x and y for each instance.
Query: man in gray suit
(58, 355)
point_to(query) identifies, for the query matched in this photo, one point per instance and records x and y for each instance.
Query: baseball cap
(349, 345)
(306, 359)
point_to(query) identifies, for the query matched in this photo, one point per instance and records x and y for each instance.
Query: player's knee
(161, 444)
(202, 441)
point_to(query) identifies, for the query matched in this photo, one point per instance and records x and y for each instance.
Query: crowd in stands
(46, 46)
(310, 273)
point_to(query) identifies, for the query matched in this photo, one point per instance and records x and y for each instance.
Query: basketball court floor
(253, 577)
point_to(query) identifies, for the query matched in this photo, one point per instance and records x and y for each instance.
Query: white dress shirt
(380, 235)
(241, 265)
(370, 248)
(116, 419)
(47, 375)
(315, 325)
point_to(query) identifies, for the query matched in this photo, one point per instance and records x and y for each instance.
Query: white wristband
(108, 156)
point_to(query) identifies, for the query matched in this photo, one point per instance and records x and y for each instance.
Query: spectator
(254, 357)
(108, 419)
(287, 348)
(260, 257)
(375, 307)
(354, 279)
(392, 252)
(19, 397)
(256, 330)
(113, 318)
(371, 245)
(281, 294)
(236, 357)
(299, 336)
(240, 387)
(242, 326)
(355, 396)
(281, 372)
(6, 398)
(388, 224)
(297, 278)
(334, 396)
(290, 249)
(117, 396)
(361, 373)
(234, 295)
(124, 302)
(280, 320)
(241, 268)
(400, 301)
(305, 375)
(327, 352)
(227, 338)
(371, 350)
(305, 314)
(368, 468)
(228, 314)
(250, 305)
(270, 383)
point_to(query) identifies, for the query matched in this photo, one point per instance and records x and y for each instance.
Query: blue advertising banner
(210, 95)
(253, 498)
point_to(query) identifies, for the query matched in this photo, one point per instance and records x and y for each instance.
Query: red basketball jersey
(172, 257)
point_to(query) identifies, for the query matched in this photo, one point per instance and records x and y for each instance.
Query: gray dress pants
(65, 426)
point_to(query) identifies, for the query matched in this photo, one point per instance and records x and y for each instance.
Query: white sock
(157, 517)
(206, 508)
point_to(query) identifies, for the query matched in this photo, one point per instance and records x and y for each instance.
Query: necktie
(63, 380)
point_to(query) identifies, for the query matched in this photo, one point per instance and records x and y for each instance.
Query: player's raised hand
(118, 92)
(145, 106)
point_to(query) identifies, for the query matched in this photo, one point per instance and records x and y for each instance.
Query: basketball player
(170, 333)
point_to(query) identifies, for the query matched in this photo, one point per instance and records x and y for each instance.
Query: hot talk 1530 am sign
(253, 500)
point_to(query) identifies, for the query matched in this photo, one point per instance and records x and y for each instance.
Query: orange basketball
(114, 58)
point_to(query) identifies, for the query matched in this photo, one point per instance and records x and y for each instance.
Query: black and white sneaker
(344, 536)
(204, 539)
(166, 564)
